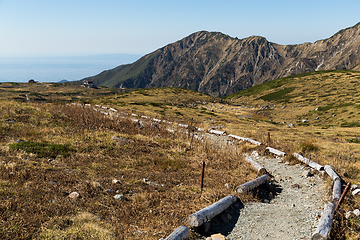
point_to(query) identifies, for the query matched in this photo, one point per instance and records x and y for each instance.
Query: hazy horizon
(54, 69)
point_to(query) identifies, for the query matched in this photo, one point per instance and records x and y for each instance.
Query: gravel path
(291, 213)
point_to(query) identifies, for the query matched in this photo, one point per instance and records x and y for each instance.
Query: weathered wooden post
(276, 152)
(256, 165)
(268, 141)
(206, 214)
(324, 227)
(181, 233)
(243, 188)
(336, 190)
(309, 162)
(331, 173)
(202, 175)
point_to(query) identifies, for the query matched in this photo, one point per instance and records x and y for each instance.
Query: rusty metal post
(202, 175)
(342, 197)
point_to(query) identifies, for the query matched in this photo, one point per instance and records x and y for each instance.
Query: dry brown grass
(33, 206)
(160, 156)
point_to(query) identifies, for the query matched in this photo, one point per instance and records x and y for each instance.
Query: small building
(88, 83)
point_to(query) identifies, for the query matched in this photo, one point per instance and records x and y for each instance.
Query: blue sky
(38, 28)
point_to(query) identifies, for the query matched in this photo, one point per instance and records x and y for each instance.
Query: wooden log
(324, 227)
(308, 162)
(243, 188)
(181, 233)
(253, 141)
(204, 215)
(256, 165)
(245, 139)
(331, 172)
(336, 190)
(237, 137)
(276, 152)
(217, 132)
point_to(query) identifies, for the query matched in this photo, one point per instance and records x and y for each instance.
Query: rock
(52, 201)
(109, 191)
(53, 183)
(20, 140)
(278, 178)
(317, 118)
(356, 212)
(348, 215)
(307, 173)
(356, 192)
(119, 197)
(121, 140)
(353, 187)
(115, 181)
(74, 195)
(304, 121)
(218, 236)
(227, 185)
(291, 125)
(345, 174)
(255, 153)
(287, 163)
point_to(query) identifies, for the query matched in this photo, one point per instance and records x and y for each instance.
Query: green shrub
(42, 149)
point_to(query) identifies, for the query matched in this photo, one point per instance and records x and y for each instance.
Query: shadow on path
(225, 222)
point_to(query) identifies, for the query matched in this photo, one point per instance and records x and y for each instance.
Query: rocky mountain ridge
(219, 65)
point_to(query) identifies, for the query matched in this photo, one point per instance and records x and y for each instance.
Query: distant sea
(55, 69)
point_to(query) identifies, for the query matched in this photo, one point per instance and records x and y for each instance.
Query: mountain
(219, 65)
(63, 81)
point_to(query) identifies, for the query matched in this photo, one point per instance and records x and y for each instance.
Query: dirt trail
(291, 213)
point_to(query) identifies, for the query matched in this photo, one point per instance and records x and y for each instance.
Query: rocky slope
(219, 65)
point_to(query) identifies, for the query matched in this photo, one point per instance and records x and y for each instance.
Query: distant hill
(219, 65)
(323, 98)
(63, 81)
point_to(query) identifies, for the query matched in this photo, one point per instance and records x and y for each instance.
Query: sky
(50, 28)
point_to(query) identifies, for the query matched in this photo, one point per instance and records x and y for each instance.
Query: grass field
(69, 148)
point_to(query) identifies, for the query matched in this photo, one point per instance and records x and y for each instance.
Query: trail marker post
(202, 175)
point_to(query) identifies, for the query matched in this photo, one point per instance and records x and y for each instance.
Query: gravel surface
(290, 213)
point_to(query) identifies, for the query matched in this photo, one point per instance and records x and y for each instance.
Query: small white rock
(348, 214)
(115, 181)
(353, 187)
(356, 192)
(74, 195)
(356, 212)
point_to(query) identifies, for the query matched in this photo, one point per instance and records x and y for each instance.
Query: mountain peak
(219, 65)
